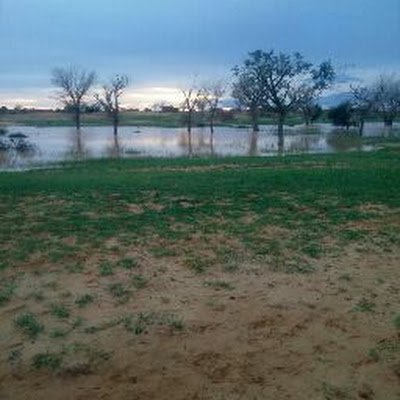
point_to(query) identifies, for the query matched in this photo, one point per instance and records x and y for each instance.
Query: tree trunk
(189, 129)
(115, 123)
(388, 122)
(253, 150)
(116, 146)
(254, 120)
(78, 116)
(212, 123)
(281, 138)
(361, 128)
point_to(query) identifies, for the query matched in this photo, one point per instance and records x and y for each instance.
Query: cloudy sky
(164, 44)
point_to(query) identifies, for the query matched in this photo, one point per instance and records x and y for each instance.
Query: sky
(165, 45)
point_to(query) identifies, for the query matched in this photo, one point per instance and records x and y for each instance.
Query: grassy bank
(105, 260)
(131, 118)
(314, 193)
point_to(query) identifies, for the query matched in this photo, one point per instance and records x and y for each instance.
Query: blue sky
(162, 44)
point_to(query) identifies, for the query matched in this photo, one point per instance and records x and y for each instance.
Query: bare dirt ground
(252, 333)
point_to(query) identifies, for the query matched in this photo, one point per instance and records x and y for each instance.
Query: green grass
(50, 361)
(396, 321)
(139, 281)
(7, 289)
(106, 269)
(218, 285)
(29, 325)
(60, 311)
(84, 300)
(305, 199)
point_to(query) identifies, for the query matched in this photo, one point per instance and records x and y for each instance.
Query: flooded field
(24, 147)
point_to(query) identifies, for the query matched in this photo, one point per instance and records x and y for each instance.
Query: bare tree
(74, 84)
(309, 106)
(109, 100)
(212, 94)
(248, 89)
(363, 103)
(386, 97)
(191, 99)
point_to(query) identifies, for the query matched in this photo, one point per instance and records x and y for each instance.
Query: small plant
(106, 269)
(139, 281)
(6, 291)
(29, 325)
(84, 300)
(298, 267)
(14, 356)
(364, 306)
(60, 311)
(37, 296)
(198, 265)
(118, 291)
(345, 277)
(75, 268)
(176, 323)
(137, 324)
(128, 263)
(47, 360)
(77, 322)
(160, 252)
(396, 321)
(58, 333)
(219, 285)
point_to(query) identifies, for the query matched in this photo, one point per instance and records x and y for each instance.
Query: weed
(76, 268)
(77, 322)
(58, 333)
(196, 264)
(219, 285)
(139, 281)
(331, 392)
(128, 263)
(84, 300)
(106, 269)
(50, 361)
(297, 267)
(160, 252)
(118, 291)
(60, 311)
(29, 325)
(396, 321)
(345, 277)
(364, 306)
(7, 289)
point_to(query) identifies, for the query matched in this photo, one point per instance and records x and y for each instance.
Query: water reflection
(55, 144)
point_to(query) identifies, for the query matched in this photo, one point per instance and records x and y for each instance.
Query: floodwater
(43, 146)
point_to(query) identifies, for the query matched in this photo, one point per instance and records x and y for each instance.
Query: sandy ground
(324, 335)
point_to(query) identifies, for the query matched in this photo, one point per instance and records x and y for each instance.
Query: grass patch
(50, 361)
(396, 321)
(60, 311)
(29, 325)
(119, 292)
(364, 305)
(128, 263)
(197, 264)
(106, 269)
(218, 285)
(139, 281)
(7, 289)
(84, 300)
